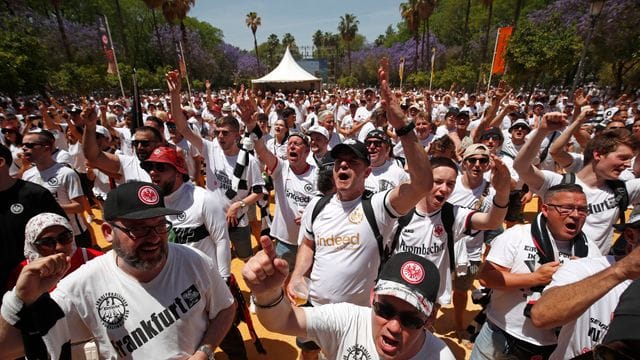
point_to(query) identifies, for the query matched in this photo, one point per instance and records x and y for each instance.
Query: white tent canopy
(288, 74)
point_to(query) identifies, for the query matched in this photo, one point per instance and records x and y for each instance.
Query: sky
(300, 18)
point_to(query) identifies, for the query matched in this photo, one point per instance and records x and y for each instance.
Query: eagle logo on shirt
(357, 352)
(355, 217)
(53, 181)
(438, 230)
(112, 309)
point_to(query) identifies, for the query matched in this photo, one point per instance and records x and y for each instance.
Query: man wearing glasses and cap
(386, 172)
(394, 327)
(145, 299)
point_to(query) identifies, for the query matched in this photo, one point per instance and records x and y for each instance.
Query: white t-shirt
(131, 170)
(426, 236)
(219, 174)
(362, 114)
(398, 150)
(346, 257)
(200, 211)
(190, 152)
(279, 150)
(588, 330)
(64, 184)
(386, 177)
(603, 209)
(344, 331)
(163, 318)
(471, 199)
(78, 161)
(292, 194)
(62, 157)
(514, 249)
(364, 131)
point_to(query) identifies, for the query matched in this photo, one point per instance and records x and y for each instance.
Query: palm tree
(465, 40)
(425, 10)
(348, 27)
(176, 10)
(488, 4)
(272, 46)
(409, 12)
(153, 5)
(253, 21)
(63, 34)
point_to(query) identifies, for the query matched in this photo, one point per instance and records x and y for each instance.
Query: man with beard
(145, 299)
(520, 264)
(200, 224)
(145, 139)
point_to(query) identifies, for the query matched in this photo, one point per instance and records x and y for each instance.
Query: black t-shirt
(18, 204)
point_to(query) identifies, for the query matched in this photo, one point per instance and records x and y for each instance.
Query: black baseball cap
(410, 278)
(135, 200)
(378, 134)
(353, 146)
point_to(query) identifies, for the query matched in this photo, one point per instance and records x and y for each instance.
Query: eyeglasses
(31, 145)
(473, 161)
(376, 143)
(490, 137)
(143, 143)
(407, 320)
(566, 210)
(157, 166)
(140, 232)
(49, 242)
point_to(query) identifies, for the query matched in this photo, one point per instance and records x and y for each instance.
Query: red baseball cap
(167, 155)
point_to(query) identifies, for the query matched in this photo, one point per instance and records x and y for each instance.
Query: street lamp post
(595, 10)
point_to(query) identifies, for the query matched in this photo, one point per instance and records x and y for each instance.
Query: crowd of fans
(392, 202)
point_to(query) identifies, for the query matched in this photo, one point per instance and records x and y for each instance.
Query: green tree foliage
(541, 53)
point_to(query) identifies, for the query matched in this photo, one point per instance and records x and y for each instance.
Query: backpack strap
(447, 221)
(371, 218)
(85, 256)
(621, 196)
(568, 178)
(319, 206)
(403, 221)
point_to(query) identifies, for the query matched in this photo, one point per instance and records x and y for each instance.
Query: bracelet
(406, 129)
(498, 206)
(273, 304)
(207, 350)
(11, 307)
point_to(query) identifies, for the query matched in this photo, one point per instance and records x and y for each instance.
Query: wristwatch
(207, 350)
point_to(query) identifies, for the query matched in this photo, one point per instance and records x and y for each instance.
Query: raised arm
(106, 162)
(405, 196)
(495, 276)
(173, 82)
(501, 181)
(560, 305)
(557, 148)
(523, 162)
(265, 274)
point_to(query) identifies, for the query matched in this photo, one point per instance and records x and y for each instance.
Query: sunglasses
(388, 312)
(490, 137)
(31, 145)
(520, 127)
(157, 166)
(473, 161)
(222, 132)
(376, 143)
(49, 242)
(143, 143)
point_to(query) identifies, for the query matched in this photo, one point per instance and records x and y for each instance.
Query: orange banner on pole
(504, 33)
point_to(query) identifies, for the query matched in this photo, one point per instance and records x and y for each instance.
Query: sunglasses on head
(49, 242)
(157, 166)
(388, 312)
(482, 160)
(143, 143)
